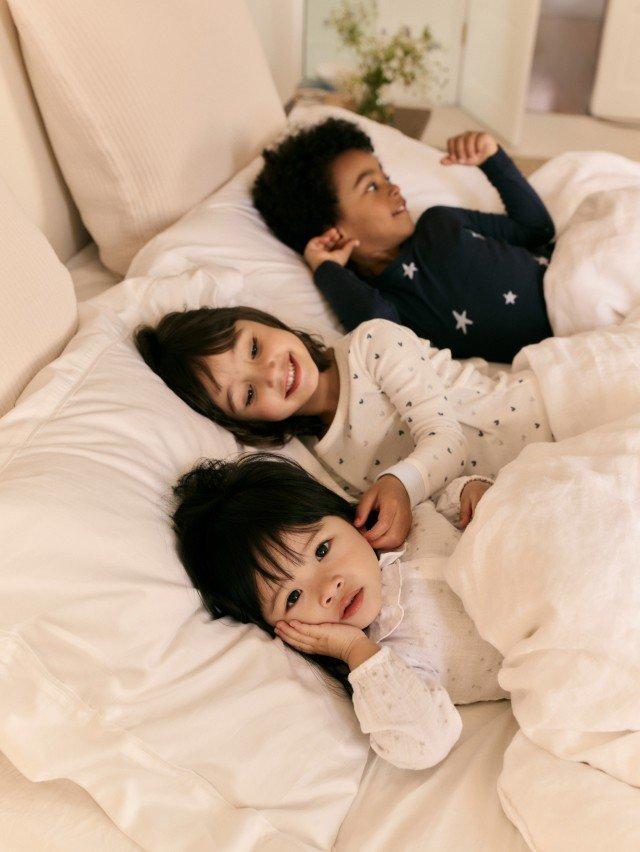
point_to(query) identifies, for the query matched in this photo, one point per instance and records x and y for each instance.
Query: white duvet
(594, 276)
(550, 567)
(549, 570)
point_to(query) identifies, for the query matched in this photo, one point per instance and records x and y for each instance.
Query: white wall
(280, 24)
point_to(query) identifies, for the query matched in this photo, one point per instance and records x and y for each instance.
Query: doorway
(565, 56)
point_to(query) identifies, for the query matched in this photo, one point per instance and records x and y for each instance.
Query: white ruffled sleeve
(410, 719)
(448, 502)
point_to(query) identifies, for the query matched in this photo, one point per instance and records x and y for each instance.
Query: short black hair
(230, 521)
(175, 350)
(294, 191)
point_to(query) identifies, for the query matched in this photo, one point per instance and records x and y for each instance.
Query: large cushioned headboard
(38, 312)
(27, 163)
(235, 91)
(150, 106)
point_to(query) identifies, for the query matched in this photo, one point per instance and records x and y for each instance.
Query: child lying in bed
(265, 543)
(392, 418)
(468, 281)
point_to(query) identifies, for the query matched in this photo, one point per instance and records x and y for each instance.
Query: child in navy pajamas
(467, 281)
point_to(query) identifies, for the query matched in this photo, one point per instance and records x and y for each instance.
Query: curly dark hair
(176, 348)
(294, 191)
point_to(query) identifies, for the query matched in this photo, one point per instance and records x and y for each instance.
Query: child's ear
(344, 232)
(345, 235)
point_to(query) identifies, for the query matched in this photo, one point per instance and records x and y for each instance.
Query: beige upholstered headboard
(37, 305)
(27, 163)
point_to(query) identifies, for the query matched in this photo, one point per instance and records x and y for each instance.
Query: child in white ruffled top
(264, 542)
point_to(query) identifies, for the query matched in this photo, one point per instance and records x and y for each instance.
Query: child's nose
(331, 590)
(270, 373)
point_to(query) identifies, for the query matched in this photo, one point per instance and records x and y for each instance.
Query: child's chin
(406, 226)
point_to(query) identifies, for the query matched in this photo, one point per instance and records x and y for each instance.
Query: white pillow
(38, 312)
(191, 734)
(227, 229)
(149, 106)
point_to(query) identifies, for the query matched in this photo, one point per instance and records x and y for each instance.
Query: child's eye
(322, 549)
(371, 186)
(292, 598)
(250, 395)
(254, 347)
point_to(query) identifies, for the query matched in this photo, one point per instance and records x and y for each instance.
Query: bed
(102, 750)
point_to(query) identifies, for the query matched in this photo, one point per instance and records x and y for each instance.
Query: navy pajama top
(467, 281)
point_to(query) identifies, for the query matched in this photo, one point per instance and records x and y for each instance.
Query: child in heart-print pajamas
(392, 418)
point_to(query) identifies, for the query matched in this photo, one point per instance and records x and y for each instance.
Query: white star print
(510, 298)
(543, 261)
(462, 321)
(409, 270)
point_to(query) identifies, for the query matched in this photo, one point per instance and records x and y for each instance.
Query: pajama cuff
(411, 478)
(448, 503)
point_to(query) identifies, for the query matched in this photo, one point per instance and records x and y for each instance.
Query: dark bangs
(231, 523)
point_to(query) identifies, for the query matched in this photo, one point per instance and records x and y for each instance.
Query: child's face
(372, 210)
(267, 375)
(337, 579)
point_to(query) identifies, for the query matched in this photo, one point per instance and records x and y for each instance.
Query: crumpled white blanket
(549, 570)
(593, 279)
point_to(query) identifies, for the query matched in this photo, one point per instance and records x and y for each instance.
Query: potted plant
(382, 58)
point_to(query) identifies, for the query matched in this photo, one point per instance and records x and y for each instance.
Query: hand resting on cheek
(342, 641)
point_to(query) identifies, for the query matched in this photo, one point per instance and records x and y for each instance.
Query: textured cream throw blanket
(549, 571)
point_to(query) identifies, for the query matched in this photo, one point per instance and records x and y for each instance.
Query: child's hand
(469, 499)
(342, 641)
(389, 498)
(469, 149)
(329, 246)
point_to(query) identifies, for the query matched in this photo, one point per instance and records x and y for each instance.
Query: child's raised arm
(352, 300)
(527, 222)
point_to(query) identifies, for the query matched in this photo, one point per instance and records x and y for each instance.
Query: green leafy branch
(382, 58)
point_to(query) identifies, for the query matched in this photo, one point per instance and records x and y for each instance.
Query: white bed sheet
(58, 816)
(453, 806)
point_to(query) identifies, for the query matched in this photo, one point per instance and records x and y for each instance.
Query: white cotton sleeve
(400, 365)
(410, 718)
(448, 502)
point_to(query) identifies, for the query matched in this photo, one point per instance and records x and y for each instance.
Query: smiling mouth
(353, 604)
(293, 378)
(401, 208)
